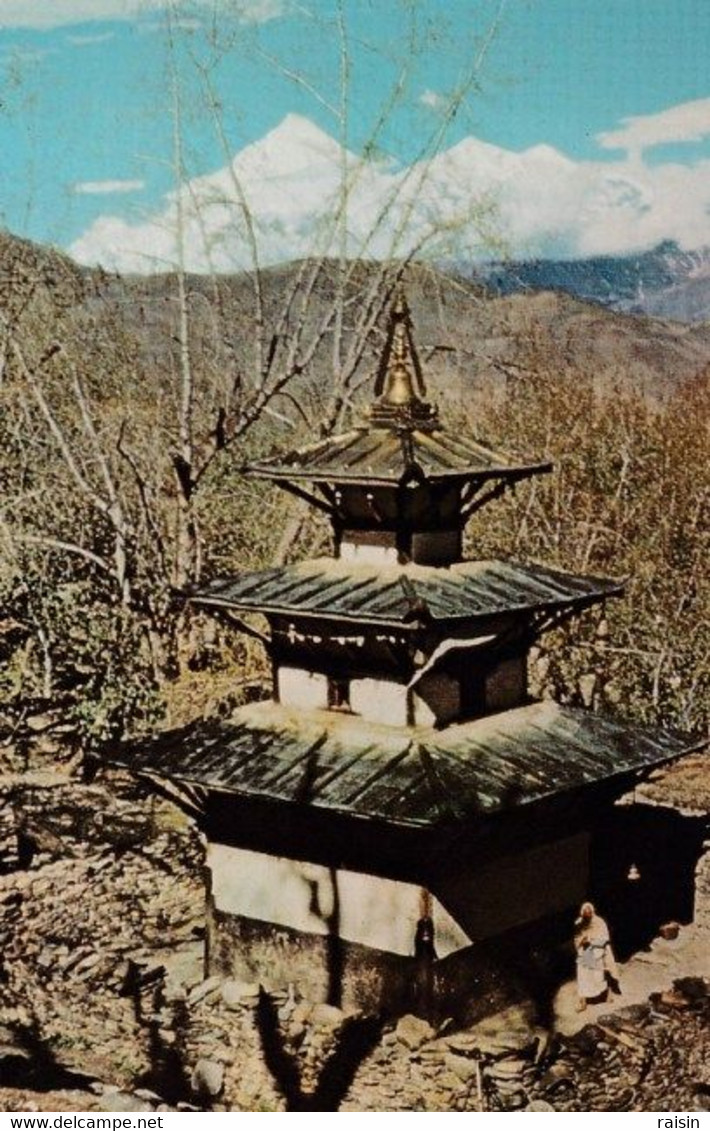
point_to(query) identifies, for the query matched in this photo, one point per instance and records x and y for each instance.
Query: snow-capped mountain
(295, 193)
(665, 281)
(285, 191)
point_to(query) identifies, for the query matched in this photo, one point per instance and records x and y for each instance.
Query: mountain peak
(547, 153)
(295, 129)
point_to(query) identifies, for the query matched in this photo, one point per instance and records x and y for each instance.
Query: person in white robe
(596, 965)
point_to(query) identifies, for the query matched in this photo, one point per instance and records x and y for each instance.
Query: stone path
(647, 972)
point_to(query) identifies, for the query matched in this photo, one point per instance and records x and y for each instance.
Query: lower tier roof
(416, 777)
(405, 594)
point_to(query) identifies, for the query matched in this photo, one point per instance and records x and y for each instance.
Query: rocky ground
(104, 1006)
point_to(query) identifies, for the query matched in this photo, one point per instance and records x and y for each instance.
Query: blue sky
(85, 88)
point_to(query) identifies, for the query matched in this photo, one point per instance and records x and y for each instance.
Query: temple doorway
(642, 872)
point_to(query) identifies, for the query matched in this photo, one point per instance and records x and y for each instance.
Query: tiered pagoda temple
(399, 801)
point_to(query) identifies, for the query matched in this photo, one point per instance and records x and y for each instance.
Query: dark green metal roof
(417, 777)
(387, 456)
(404, 595)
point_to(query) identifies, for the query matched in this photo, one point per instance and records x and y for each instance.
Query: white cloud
(52, 13)
(258, 11)
(688, 121)
(44, 14)
(88, 40)
(105, 188)
(539, 202)
(432, 100)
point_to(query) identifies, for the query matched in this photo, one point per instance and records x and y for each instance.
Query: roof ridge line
(417, 604)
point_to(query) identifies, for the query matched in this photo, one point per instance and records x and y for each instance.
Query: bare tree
(132, 444)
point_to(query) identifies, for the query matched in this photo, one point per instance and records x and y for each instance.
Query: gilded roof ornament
(400, 391)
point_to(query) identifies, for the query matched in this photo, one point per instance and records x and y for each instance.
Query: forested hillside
(128, 406)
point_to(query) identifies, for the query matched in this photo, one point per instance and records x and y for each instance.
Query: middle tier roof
(404, 595)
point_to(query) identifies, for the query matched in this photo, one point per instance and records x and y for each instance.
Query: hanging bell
(399, 389)
(633, 874)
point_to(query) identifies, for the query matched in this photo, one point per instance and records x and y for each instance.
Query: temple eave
(416, 776)
(395, 476)
(403, 597)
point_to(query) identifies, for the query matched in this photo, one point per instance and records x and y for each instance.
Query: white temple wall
(379, 701)
(300, 688)
(359, 908)
(472, 905)
(368, 553)
(428, 547)
(376, 700)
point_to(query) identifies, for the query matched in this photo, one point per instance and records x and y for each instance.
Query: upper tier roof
(386, 456)
(401, 439)
(402, 776)
(405, 595)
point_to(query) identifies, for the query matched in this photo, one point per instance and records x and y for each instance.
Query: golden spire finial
(399, 388)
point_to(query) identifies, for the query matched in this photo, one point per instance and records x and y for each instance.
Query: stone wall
(323, 968)
(467, 986)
